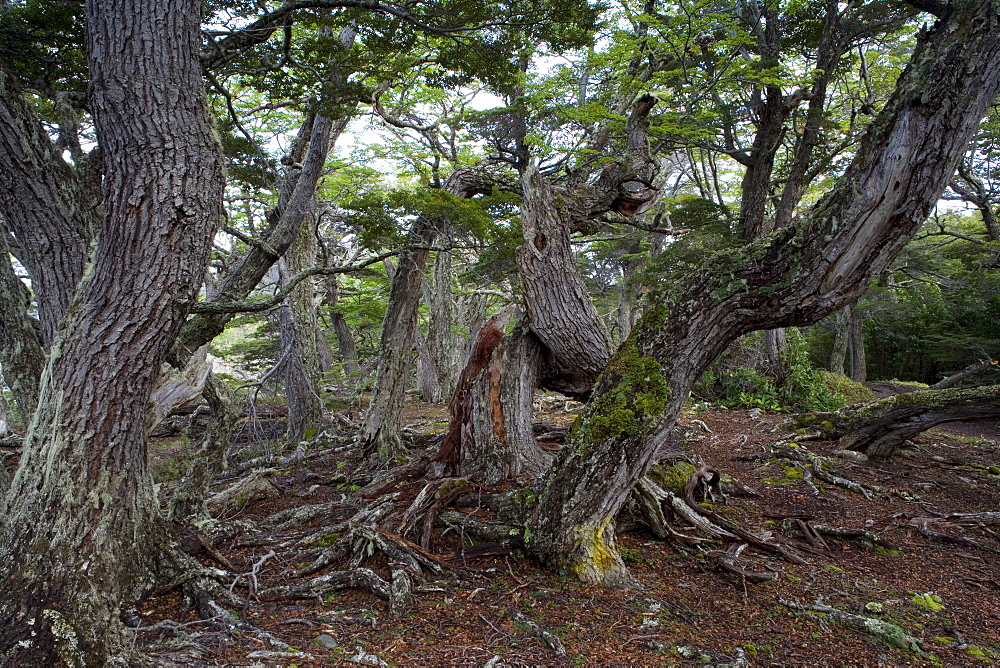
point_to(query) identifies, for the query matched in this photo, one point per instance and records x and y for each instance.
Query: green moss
(327, 540)
(928, 601)
(630, 394)
(794, 473)
(672, 478)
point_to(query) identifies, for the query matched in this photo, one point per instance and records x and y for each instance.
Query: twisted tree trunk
(79, 535)
(794, 276)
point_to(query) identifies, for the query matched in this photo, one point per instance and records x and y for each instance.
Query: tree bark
(381, 433)
(44, 205)
(79, 528)
(345, 340)
(22, 356)
(974, 370)
(856, 339)
(792, 277)
(490, 434)
(841, 341)
(880, 427)
(188, 501)
(298, 326)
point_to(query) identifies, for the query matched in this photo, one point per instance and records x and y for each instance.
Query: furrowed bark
(22, 357)
(298, 339)
(79, 531)
(792, 277)
(44, 206)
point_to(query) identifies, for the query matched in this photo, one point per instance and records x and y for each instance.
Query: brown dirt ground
(688, 611)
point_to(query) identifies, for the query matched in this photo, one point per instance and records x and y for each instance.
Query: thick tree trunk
(880, 427)
(490, 435)
(560, 311)
(841, 340)
(794, 276)
(297, 317)
(79, 528)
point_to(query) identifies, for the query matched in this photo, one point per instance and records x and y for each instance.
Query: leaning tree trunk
(880, 427)
(297, 317)
(80, 537)
(794, 276)
(381, 434)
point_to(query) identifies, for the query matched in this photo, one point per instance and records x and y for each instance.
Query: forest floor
(935, 578)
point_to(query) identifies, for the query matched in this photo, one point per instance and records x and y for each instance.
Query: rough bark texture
(79, 526)
(794, 276)
(298, 338)
(490, 435)
(44, 206)
(295, 200)
(560, 311)
(880, 427)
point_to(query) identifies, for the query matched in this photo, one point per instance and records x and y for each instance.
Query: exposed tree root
(885, 631)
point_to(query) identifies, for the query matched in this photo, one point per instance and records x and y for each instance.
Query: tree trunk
(21, 355)
(44, 205)
(841, 340)
(188, 501)
(297, 318)
(972, 371)
(427, 376)
(345, 340)
(880, 427)
(382, 431)
(792, 277)
(490, 435)
(441, 343)
(856, 339)
(79, 530)
(559, 309)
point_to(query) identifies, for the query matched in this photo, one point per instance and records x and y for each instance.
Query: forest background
(525, 189)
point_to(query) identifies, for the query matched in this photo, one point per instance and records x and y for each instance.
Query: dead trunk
(79, 532)
(490, 435)
(880, 427)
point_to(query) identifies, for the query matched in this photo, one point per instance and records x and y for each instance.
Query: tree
(796, 275)
(80, 533)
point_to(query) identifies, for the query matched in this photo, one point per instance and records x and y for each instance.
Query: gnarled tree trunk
(794, 276)
(79, 534)
(490, 434)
